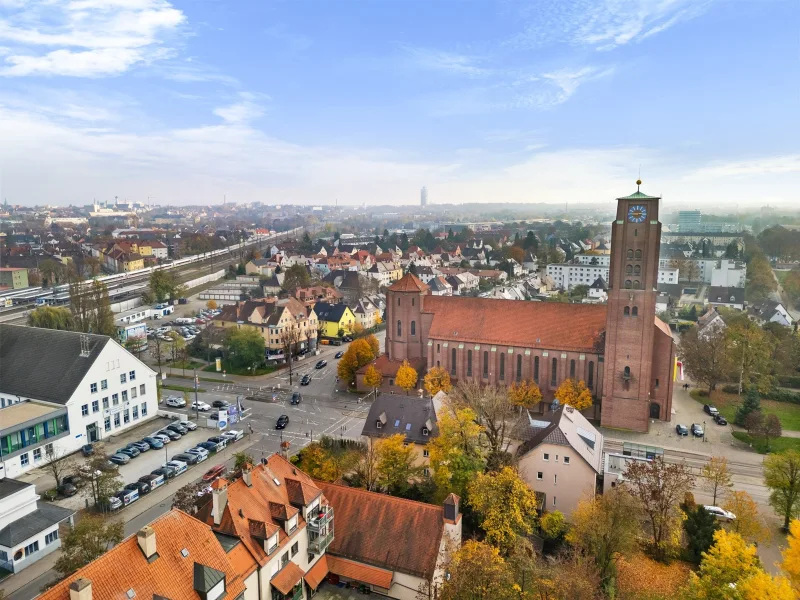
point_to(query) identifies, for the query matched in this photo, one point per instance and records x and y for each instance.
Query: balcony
(317, 544)
(318, 519)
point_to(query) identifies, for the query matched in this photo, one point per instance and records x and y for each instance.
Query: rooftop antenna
(639, 180)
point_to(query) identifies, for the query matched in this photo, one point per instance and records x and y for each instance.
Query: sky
(366, 101)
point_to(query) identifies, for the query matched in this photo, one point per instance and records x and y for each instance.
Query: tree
(245, 346)
(782, 477)
(455, 453)
(366, 469)
(406, 377)
(357, 355)
(191, 497)
(751, 351)
(659, 487)
(754, 422)
(289, 338)
(700, 526)
(716, 477)
(157, 351)
(395, 463)
(791, 555)
(706, 357)
(497, 414)
(373, 378)
(478, 572)
(752, 403)
(604, 528)
(575, 394)
(437, 380)
(240, 460)
(103, 481)
(296, 276)
(59, 462)
(211, 305)
(771, 428)
(51, 317)
(524, 393)
(136, 345)
(748, 522)
(52, 272)
(163, 285)
(176, 347)
(553, 525)
(89, 539)
(505, 505)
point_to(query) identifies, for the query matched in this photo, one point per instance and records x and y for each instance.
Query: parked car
(305, 379)
(720, 513)
(697, 430)
(113, 503)
(220, 441)
(200, 453)
(140, 486)
(87, 450)
(200, 405)
(214, 416)
(120, 459)
(152, 480)
(171, 434)
(681, 429)
(165, 472)
(321, 364)
(140, 446)
(214, 472)
(189, 459)
(209, 446)
(711, 410)
(178, 465)
(129, 450)
(348, 338)
(233, 435)
(127, 496)
(75, 480)
(282, 422)
(339, 354)
(183, 301)
(296, 398)
(720, 420)
(177, 428)
(176, 402)
(190, 425)
(67, 489)
(162, 437)
(220, 404)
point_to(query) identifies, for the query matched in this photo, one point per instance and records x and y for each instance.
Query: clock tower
(629, 380)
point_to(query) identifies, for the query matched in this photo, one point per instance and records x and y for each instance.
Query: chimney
(80, 589)
(285, 449)
(146, 537)
(247, 475)
(219, 499)
(451, 508)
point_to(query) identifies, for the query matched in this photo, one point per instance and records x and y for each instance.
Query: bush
(780, 395)
(789, 381)
(730, 388)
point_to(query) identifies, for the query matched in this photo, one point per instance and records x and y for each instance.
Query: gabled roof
(726, 295)
(45, 364)
(24, 528)
(288, 577)
(330, 312)
(407, 415)
(637, 195)
(599, 284)
(408, 283)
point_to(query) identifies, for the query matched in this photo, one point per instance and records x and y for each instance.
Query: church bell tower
(630, 324)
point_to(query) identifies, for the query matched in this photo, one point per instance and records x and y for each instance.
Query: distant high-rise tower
(423, 196)
(689, 220)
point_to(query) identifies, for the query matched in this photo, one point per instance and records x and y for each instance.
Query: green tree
(478, 572)
(700, 526)
(245, 347)
(296, 276)
(707, 356)
(240, 460)
(782, 477)
(751, 352)
(455, 453)
(751, 403)
(716, 477)
(163, 285)
(51, 317)
(89, 539)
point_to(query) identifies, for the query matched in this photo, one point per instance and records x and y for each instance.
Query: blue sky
(366, 101)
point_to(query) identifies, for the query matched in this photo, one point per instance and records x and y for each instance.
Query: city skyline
(310, 103)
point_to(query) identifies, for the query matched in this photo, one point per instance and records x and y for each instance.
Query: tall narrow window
(635, 311)
(628, 269)
(627, 284)
(536, 369)
(637, 270)
(636, 284)
(590, 378)
(412, 302)
(630, 253)
(453, 361)
(626, 312)
(413, 328)
(638, 254)
(554, 371)
(398, 301)
(572, 369)
(485, 365)
(469, 363)
(502, 366)
(399, 328)
(519, 367)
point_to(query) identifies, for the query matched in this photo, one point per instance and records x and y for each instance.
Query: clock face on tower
(637, 214)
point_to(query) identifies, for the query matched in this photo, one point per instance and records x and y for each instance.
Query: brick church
(622, 350)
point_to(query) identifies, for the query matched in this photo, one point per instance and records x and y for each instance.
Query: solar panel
(585, 434)
(397, 423)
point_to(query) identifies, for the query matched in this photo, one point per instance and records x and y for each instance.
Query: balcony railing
(319, 544)
(318, 519)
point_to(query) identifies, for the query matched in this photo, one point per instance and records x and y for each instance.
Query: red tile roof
(317, 573)
(408, 283)
(384, 531)
(663, 327)
(125, 567)
(359, 572)
(576, 327)
(388, 368)
(288, 577)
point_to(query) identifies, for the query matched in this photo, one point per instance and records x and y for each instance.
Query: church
(621, 349)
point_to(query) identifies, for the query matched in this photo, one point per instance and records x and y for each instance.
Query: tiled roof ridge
(386, 496)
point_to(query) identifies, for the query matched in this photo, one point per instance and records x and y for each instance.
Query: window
(627, 284)
(636, 285)
(566, 460)
(546, 456)
(104, 384)
(95, 406)
(485, 364)
(502, 366)
(295, 548)
(635, 311)
(425, 431)
(637, 270)
(124, 395)
(438, 347)
(127, 416)
(84, 410)
(135, 412)
(141, 389)
(107, 424)
(413, 328)
(398, 302)
(32, 548)
(627, 373)
(378, 424)
(572, 368)
(24, 459)
(626, 312)
(412, 302)
(656, 383)
(123, 378)
(426, 471)
(284, 559)
(539, 475)
(116, 420)
(93, 388)
(132, 376)
(469, 363)
(115, 399)
(635, 233)
(105, 403)
(48, 448)
(638, 254)
(536, 369)
(399, 328)
(133, 393)
(453, 361)
(630, 253)
(554, 372)
(555, 479)
(554, 500)
(37, 454)
(51, 537)
(590, 378)
(628, 269)
(425, 453)
(519, 367)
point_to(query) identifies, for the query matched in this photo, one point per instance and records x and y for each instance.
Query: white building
(60, 390)
(718, 272)
(568, 275)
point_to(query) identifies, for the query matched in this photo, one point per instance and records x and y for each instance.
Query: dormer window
(378, 424)
(425, 431)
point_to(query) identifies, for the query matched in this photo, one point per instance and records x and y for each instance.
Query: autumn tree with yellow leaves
(524, 393)
(395, 463)
(455, 453)
(575, 393)
(716, 477)
(359, 353)
(406, 377)
(749, 523)
(373, 377)
(437, 380)
(791, 556)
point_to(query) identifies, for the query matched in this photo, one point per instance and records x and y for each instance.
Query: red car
(200, 321)
(214, 473)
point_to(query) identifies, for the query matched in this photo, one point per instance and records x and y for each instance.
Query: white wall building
(568, 275)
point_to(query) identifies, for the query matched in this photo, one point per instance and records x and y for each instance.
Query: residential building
(62, 389)
(334, 318)
(709, 322)
(615, 465)
(14, 278)
(689, 220)
(29, 530)
(439, 286)
(770, 311)
(561, 457)
(568, 275)
(260, 266)
(366, 313)
(729, 297)
(320, 292)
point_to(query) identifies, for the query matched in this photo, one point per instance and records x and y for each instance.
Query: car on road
(87, 450)
(127, 496)
(120, 459)
(140, 446)
(190, 425)
(130, 451)
(162, 437)
(214, 472)
(140, 486)
(173, 435)
(339, 354)
(177, 428)
(720, 513)
(321, 364)
(189, 459)
(176, 402)
(178, 465)
(220, 441)
(67, 490)
(305, 380)
(200, 453)
(720, 420)
(200, 405)
(296, 398)
(233, 435)
(697, 430)
(681, 429)
(347, 338)
(282, 422)
(711, 410)
(220, 404)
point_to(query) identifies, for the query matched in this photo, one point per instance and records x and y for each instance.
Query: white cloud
(448, 62)
(770, 165)
(86, 38)
(241, 112)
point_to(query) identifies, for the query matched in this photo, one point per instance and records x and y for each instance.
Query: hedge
(789, 381)
(777, 394)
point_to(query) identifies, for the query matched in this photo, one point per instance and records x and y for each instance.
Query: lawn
(189, 365)
(727, 404)
(181, 388)
(234, 370)
(760, 445)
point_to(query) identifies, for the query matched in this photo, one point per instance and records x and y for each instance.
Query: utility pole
(196, 403)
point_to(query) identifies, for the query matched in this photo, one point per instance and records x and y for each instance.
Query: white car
(179, 466)
(175, 401)
(200, 453)
(164, 438)
(720, 513)
(233, 435)
(200, 405)
(190, 425)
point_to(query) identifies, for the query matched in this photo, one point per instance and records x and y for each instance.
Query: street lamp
(704, 431)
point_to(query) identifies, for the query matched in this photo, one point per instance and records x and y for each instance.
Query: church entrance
(655, 410)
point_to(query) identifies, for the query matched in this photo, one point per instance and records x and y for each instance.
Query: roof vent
(276, 481)
(130, 593)
(184, 553)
